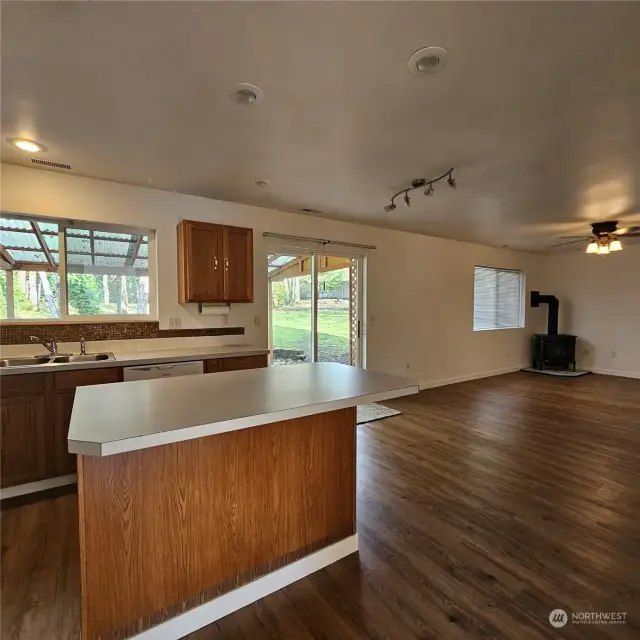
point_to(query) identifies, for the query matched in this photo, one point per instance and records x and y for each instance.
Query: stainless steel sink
(89, 357)
(24, 362)
(53, 360)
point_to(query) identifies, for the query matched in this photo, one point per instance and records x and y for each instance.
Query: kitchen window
(498, 301)
(56, 269)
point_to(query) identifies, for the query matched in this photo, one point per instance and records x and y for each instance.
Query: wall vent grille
(49, 163)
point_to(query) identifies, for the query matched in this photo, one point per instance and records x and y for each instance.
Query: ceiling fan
(605, 237)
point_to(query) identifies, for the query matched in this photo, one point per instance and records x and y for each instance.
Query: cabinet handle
(226, 264)
(215, 263)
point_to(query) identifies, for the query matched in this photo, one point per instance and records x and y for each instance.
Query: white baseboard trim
(617, 372)
(40, 485)
(194, 619)
(472, 376)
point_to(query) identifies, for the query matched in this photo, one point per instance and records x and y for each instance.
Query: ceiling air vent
(48, 163)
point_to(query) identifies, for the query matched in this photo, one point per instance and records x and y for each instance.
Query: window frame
(521, 299)
(67, 318)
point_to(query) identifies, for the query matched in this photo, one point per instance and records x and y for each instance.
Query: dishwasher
(170, 370)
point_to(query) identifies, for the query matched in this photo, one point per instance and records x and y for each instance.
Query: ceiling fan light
(603, 249)
(592, 247)
(615, 245)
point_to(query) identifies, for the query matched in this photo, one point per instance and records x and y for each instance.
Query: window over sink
(58, 269)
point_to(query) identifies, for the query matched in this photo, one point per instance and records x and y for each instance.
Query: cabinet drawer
(81, 378)
(21, 385)
(242, 362)
(234, 364)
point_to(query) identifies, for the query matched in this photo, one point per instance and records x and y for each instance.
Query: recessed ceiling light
(427, 61)
(260, 182)
(26, 145)
(245, 94)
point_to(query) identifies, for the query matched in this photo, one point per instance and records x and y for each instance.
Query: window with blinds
(497, 299)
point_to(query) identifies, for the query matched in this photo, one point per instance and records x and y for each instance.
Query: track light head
(407, 200)
(451, 181)
(390, 207)
(429, 190)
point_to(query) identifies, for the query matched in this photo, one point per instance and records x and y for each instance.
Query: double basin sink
(53, 360)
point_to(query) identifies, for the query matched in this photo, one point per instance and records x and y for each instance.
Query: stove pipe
(536, 299)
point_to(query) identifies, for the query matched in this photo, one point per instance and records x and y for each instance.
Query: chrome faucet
(52, 347)
(83, 346)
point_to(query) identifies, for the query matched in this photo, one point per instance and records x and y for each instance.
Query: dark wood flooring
(481, 508)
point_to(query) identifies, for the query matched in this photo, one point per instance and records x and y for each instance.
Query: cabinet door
(201, 262)
(23, 444)
(63, 461)
(211, 366)
(238, 264)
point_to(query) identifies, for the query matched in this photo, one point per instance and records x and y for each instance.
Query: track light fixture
(418, 184)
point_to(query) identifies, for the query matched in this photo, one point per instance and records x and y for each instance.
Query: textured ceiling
(537, 109)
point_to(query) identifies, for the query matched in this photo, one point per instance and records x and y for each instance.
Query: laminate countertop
(135, 358)
(127, 416)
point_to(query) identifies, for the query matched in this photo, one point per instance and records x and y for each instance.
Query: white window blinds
(497, 299)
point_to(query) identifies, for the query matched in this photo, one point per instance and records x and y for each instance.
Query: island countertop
(128, 416)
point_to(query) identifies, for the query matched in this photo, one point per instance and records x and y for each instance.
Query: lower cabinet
(64, 388)
(23, 446)
(35, 415)
(36, 412)
(64, 462)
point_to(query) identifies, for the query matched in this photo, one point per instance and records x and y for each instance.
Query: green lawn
(292, 330)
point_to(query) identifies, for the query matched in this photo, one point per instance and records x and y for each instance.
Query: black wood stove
(552, 350)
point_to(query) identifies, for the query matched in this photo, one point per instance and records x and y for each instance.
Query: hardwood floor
(481, 508)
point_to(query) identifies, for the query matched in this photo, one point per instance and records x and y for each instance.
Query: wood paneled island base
(165, 529)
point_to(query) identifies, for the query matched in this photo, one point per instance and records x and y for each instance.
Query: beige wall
(420, 289)
(600, 303)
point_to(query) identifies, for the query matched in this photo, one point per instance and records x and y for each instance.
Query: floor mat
(371, 412)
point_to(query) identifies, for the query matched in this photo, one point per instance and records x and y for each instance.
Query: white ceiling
(538, 108)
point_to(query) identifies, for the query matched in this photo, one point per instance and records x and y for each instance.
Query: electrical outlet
(175, 323)
(225, 319)
(585, 352)
(614, 354)
(257, 321)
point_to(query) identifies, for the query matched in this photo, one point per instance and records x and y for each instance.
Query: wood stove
(552, 350)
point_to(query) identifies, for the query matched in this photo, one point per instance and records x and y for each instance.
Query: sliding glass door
(291, 308)
(338, 321)
(316, 304)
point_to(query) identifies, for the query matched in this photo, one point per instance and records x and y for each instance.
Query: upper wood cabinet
(215, 263)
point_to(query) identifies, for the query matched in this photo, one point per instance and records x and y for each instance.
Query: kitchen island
(199, 495)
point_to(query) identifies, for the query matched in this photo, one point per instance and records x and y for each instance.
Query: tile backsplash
(100, 331)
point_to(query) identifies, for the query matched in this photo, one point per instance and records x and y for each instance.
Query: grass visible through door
(291, 330)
